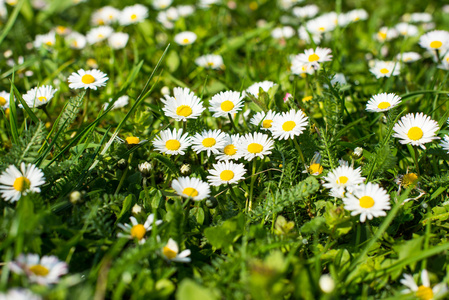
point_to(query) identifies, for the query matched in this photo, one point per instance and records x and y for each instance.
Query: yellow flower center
(384, 71)
(39, 270)
(366, 202)
(132, 140)
(315, 169)
(172, 145)
(21, 184)
(267, 123)
(383, 105)
(185, 41)
(226, 175)
(133, 16)
(321, 29)
(42, 98)
(424, 293)
(2, 101)
(342, 180)
(227, 105)
(138, 231)
(306, 99)
(409, 179)
(184, 110)
(48, 43)
(190, 192)
(230, 150)
(313, 57)
(415, 133)
(211, 64)
(87, 79)
(382, 35)
(255, 148)
(169, 253)
(288, 126)
(100, 36)
(209, 142)
(61, 29)
(436, 44)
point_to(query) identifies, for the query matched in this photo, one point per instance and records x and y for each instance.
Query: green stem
(251, 189)
(300, 152)
(44, 108)
(416, 161)
(122, 180)
(232, 123)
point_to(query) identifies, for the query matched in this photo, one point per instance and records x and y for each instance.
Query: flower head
(184, 105)
(185, 38)
(417, 130)
(382, 102)
(424, 291)
(408, 57)
(289, 124)
(445, 143)
(118, 40)
(210, 61)
(98, 34)
(229, 150)
(191, 187)
(315, 57)
(343, 179)
(225, 103)
(137, 231)
(171, 252)
(226, 173)
(19, 294)
(43, 270)
(264, 120)
(254, 145)
(90, 79)
(4, 99)
(39, 96)
(133, 14)
(76, 40)
(385, 69)
(264, 85)
(435, 40)
(172, 142)
(210, 141)
(15, 182)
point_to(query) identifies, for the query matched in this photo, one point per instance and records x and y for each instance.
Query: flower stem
(300, 152)
(232, 123)
(416, 161)
(122, 180)
(251, 189)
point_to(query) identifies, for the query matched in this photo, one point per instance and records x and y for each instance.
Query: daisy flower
(4, 99)
(87, 79)
(315, 168)
(105, 16)
(210, 61)
(44, 271)
(420, 17)
(424, 291)
(255, 145)
(416, 130)
(382, 102)
(225, 103)
(19, 294)
(39, 96)
(185, 38)
(171, 252)
(357, 15)
(264, 85)
(76, 40)
(299, 67)
(408, 57)
(320, 25)
(133, 14)
(210, 141)
(314, 57)
(308, 11)
(172, 142)
(343, 178)
(48, 39)
(304, 35)
(368, 201)
(406, 29)
(136, 230)
(98, 34)
(118, 40)
(229, 150)
(385, 69)
(289, 124)
(63, 30)
(15, 182)
(184, 105)
(161, 4)
(285, 32)
(264, 120)
(445, 143)
(191, 187)
(119, 103)
(435, 40)
(185, 10)
(226, 173)
(386, 34)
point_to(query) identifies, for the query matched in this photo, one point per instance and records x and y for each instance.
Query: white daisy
(357, 15)
(133, 14)
(191, 187)
(225, 103)
(185, 38)
(105, 16)
(229, 150)
(136, 230)
(264, 85)
(304, 35)
(39, 96)
(48, 39)
(435, 40)
(285, 32)
(185, 10)
(210, 141)
(118, 40)
(98, 34)
(299, 67)
(207, 3)
(119, 103)
(184, 105)
(76, 40)
(406, 29)
(255, 145)
(420, 17)
(19, 294)
(171, 252)
(15, 182)
(90, 79)
(368, 200)
(172, 142)
(161, 4)
(343, 179)
(289, 124)
(226, 173)
(321, 24)
(382, 102)
(308, 11)
(4, 99)
(416, 130)
(424, 291)
(385, 69)
(445, 143)
(62, 30)
(44, 271)
(386, 34)
(444, 62)
(166, 20)
(408, 57)
(264, 120)
(315, 57)
(210, 61)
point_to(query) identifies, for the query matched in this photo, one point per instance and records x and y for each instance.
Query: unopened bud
(122, 164)
(75, 197)
(137, 209)
(145, 169)
(185, 169)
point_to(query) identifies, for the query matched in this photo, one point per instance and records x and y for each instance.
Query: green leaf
(190, 290)
(130, 200)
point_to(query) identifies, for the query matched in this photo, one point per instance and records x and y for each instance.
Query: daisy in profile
(76, 40)
(343, 179)
(357, 15)
(14, 182)
(435, 40)
(289, 124)
(285, 32)
(315, 168)
(255, 88)
(416, 130)
(386, 34)
(191, 187)
(90, 79)
(368, 200)
(210, 141)
(133, 14)
(184, 105)
(408, 57)
(320, 25)
(424, 291)
(171, 252)
(118, 40)
(105, 16)
(137, 231)
(445, 143)
(307, 11)
(229, 150)
(406, 29)
(39, 96)
(19, 294)
(161, 4)
(225, 103)
(299, 67)
(43, 270)
(385, 69)
(255, 145)
(264, 120)
(48, 39)
(226, 173)
(185, 38)
(4, 99)
(119, 103)
(315, 57)
(382, 102)
(98, 34)
(210, 61)
(172, 142)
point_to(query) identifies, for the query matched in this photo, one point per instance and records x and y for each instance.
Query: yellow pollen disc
(100, 36)
(288, 126)
(60, 29)
(321, 29)
(169, 253)
(210, 64)
(172, 145)
(185, 41)
(2, 101)
(267, 123)
(48, 43)
(356, 19)
(313, 57)
(21, 184)
(342, 180)
(226, 175)
(100, 22)
(306, 99)
(255, 148)
(424, 293)
(230, 150)
(415, 133)
(42, 98)
(132, 140)
(227, 105)
(112, 17)
(138, 231)
(133, 16)
(409, 179)
(87, 79)
(75, 44)
(190, 192)
(39, 270)
(184, 110)
(316, 169)
(383, 105)
(384, 71)
(366, 202)
(436, 44)
(209, 142)
(382, 35)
